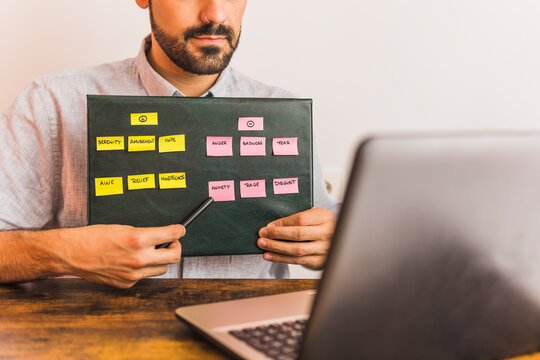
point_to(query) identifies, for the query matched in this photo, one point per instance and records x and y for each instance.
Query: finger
(313, 261)
(313, 216)
(142, 273)
(294, 249)
(152, 257)
(297, 233)
(158, 235)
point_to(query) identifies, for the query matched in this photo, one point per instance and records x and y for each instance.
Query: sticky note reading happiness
(250, 124)
(110, 143)
(285, 146)
(109, 186)
(172, 181)
(141, 143)
(221, 190)
(172, 143)
(252, 146)
(219, 146)
(253, 189)
(145, 181)
(286, 186)
(144, 119)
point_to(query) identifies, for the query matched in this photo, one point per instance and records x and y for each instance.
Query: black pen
(190, 218)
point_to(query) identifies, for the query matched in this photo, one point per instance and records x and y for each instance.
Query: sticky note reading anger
(172, 143)
(219, 146)
(286, 186)
(109, 143)
(285, 146)
(221, 190)
(252, 189)
(251, 124)
(252, 146)
(141, 143)
(109, 186)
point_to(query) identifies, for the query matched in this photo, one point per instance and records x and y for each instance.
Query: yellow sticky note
(145, 181)
(141, 143)
(172, 181)
(110, 143)
(109, 186)
(144, 119)
(172, 143)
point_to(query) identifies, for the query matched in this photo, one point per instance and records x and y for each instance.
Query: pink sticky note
(219, 146)
(286, 186)
(252, 146)
(285, 146)
(251, 124)
(221, 190)
(252, 189)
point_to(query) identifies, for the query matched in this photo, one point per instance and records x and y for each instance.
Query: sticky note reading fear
(285, 146)
(145, 181)
(141, 143)
(251, 124)
(109, 186)
(172, 143)
(285, 186)
(172, 181)
(253, 189)
(219, 146)
(110, 143)
(221, 190)
(252, 146)
(144, 118)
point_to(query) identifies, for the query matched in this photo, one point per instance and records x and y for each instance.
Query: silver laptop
(436, 256)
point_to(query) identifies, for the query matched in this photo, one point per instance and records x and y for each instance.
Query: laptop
(436, 255)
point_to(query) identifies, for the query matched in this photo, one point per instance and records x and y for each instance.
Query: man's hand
(311, 232)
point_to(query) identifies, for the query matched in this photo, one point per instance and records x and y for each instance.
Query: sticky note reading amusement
(285, 146)
(253, 189)
(172, 181)
(172, 143)
(221, 190)
(286, 186)
(109, 186)
(145, 181)
(251, 124)
(107, 143)
(252, 146)
(219, 146)
(144, 119)
(141, 143)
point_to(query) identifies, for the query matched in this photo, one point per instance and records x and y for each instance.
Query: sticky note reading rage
(172, 181)
(145, 181)
(144, 119)
(253, 189)
(172, 143)
(221, 190)
(141, 143)
(109, 143)
(286, 186)
(285, 146)
(252, 146)
(251, 124)
(109, 186)
(219, 146)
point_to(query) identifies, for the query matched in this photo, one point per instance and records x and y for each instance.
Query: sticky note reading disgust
(252, 146)
(250, 124)
(221, 190)
(141, 143)
(219, 146)
(144, 119)
(145, 181)
(286, 186)
(109, 186)
(172, 181)
(172, 143)
(253, 189)
(285, 146)
(110, 143)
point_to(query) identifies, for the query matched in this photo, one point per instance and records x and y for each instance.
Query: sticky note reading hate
(110, 143)
(145, 181)
(221, 190)
(251, 124)
(141, 143)
(172, 143)
(172, 181)
(109, 186)
(253, 189)
(285, 186)
(219, 146)
(285, 146)
(144, 118)
(252, 146)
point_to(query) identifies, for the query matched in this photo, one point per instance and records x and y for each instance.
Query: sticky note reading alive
(172, 181)
(141, 143)
(285, 146)
(110, 143)
(286, 186)
(145, 181)
(221, 190)
(252, 146)
(109, 186)
(251, 124)
(219, 146)
(144, 119)
(252, 189)
(172, 143)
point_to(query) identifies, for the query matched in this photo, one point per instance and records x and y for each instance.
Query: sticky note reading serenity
(221, 190)
(252, 146)
(172, 181)
(252, 189)
(145, 181)
(286, 186)
(144, 119)
(285, 146)
(141, 143)
(172, 143)
(250, 124)
(110, 143)
(109, 186)
(219, 146)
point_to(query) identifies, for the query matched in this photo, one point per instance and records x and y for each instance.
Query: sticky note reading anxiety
(251, 124)
(221, 190)
(141, 143)
(172, 143)
(145, 181)
(172, 181)
(252, 189)
(252, 146)
(219, 146)
(109, 143)
(286, 186)
(109, 186)
(285, 146)
(144, 119)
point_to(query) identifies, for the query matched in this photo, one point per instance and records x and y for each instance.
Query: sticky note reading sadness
(145, 181)
(286, 186)
(252, 189)
(141, 143)
(250, 124)
(221, 190)
(252, 146)
(172, 143)
(219, 146)
(110, 143)
(109, 186)
(144, 119)
(172, 181)
(285, 146)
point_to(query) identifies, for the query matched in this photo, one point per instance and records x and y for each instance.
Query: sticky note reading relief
(285, 146)
(221, 190)
(219, 146)
(109, 186)
(145, 181)
(252, 189)
(172, 181)
(172, 143)
(110, 143)
(144, 119)
(252, 146)
(250, 124)
(141, 143)
(286, 186)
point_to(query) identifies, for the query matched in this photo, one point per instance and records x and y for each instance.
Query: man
(43, 162)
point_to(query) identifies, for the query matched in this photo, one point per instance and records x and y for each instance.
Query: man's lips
(210, 39)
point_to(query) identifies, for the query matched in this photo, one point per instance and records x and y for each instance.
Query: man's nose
(213, 12)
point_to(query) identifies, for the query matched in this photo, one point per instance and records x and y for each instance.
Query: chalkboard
(149, 165)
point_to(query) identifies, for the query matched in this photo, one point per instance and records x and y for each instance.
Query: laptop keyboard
(279, 341)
